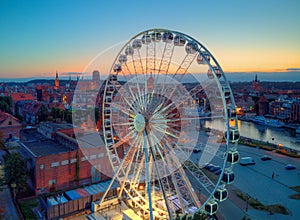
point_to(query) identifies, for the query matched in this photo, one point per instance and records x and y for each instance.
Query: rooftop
(44, 147)
(20, 96)
(39, 145)
(56, 126)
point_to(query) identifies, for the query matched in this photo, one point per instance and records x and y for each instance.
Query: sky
(38, 38)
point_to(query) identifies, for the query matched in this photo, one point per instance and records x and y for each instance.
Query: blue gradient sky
(39, 37)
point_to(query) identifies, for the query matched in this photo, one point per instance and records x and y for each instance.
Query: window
(100, 155)
(9, 123)
(83, 158)
(92, 157)
(42, 166)
(52, 182)
(65, 162)
(73, 160)
(54, 164)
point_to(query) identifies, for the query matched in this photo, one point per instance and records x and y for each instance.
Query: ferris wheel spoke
(123, 109)
(182, 183)
(159, 178)
(166, 58)
(123, 124)
(136, 98)
(131, 153)
(137, 62)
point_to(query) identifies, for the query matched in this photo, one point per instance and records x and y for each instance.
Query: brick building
(9, 125)
(18, 101)
(263, 106)
(58, 163)
(295, 111)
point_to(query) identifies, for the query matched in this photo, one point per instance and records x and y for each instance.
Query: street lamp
(247, 198)
(14, 185)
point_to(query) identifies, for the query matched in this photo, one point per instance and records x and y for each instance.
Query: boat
(267, 122)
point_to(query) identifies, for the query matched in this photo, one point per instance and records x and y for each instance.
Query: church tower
(56, 82)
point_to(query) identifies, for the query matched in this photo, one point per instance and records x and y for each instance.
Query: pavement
(256, 180)
(6, 200)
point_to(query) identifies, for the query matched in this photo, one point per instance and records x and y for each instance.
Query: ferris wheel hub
(139, 123)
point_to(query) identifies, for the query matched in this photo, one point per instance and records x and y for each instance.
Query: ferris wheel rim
(218, 83)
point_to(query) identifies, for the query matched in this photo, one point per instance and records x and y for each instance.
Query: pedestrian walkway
(6, 203)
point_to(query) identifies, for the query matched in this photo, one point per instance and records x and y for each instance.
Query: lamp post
(14, 185)
(247, 198)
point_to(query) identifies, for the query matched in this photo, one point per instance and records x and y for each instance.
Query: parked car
(214, 168)
(244, 161)
(266, 157)
(208, 166)
(290, 167)
(195, 150)
(218, 172)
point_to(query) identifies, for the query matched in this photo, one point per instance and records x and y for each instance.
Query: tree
(56, 112)
(5, 103)
(43, 113)
(16, 171)
(1, 141)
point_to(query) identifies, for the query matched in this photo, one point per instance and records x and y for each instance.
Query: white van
(247, 161)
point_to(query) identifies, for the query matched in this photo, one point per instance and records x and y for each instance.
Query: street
(6, 200)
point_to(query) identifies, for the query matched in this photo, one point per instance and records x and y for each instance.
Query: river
(260, 132)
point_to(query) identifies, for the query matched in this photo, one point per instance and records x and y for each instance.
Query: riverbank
(269, 147)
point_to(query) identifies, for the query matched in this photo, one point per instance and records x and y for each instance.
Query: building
(295, 111)
(96, 76)
(256, 85)
(9, 125)
(263, 106)
(58, 162)
(34, 112)
(39, 93)
(280, 109)
(18, 101)
(56, 82)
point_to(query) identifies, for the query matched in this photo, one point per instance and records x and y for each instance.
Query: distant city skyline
(289, 76)
(40, 37)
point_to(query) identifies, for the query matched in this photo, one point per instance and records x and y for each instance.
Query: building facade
(58, 163)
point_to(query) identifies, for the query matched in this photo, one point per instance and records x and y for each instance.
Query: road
(256, 180)
(6, 200)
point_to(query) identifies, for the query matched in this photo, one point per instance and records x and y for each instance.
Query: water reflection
(260, 132)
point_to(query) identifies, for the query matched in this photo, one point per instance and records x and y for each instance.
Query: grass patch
(275, 208)
(27, 206)
(287, 153)
(295, 196)
(296, 188)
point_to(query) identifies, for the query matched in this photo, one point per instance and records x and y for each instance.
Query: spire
(56, 74)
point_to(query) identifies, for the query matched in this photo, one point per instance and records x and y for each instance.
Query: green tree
(16, 171)
(5, 103)
(44, 113)
(56, 112)
(1, 141)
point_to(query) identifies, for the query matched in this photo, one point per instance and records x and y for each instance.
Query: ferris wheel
(169, 126)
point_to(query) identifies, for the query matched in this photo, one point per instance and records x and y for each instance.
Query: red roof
(4, 116)
(32, 107)
(20, 96)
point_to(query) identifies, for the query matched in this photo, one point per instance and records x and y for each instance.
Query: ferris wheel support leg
(147, 174)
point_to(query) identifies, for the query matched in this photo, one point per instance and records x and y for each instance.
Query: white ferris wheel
(169, 126)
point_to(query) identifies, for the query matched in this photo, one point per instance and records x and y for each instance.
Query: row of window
(74, 160)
